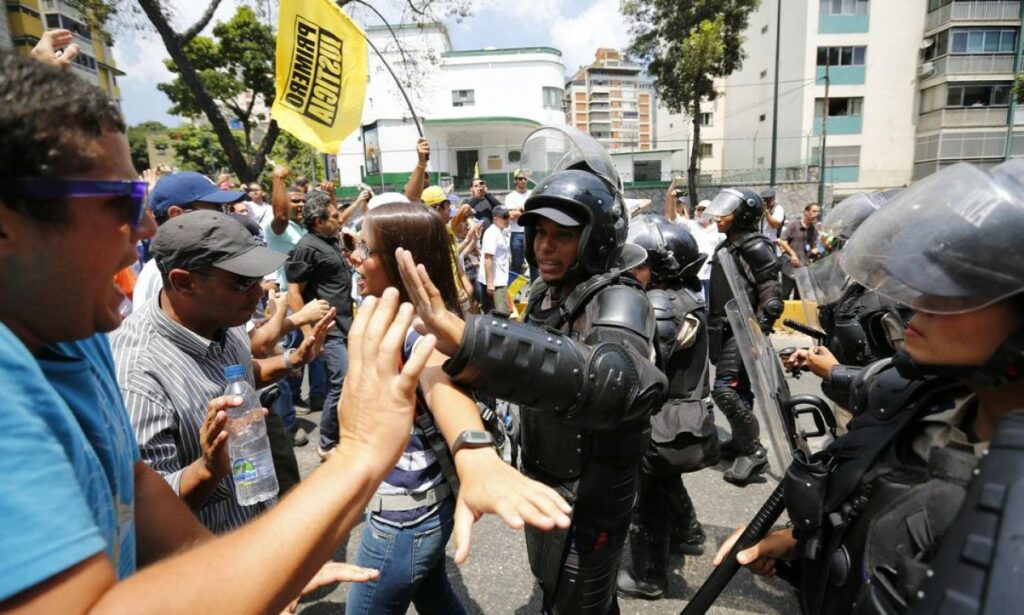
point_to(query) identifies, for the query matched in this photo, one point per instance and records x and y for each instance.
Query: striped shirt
(417, 469)
(167, 374)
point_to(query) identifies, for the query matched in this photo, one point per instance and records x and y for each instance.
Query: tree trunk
(175, 45)
(691, 172)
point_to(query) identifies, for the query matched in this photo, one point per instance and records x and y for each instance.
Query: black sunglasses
(237, 283)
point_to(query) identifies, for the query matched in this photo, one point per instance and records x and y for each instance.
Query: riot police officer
(683, 436)
(869, 510)
(737, 212)
(581, 369)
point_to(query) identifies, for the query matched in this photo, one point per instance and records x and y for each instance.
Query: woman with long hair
(415, 509)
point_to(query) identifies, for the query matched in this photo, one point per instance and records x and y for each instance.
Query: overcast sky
(576, 27)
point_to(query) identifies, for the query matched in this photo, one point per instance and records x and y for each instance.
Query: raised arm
(279, 199)
(417, 182)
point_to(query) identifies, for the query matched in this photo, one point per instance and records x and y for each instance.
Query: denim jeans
(335, 357)
(316, 370)
(517, 246)
(411, 564)
(284, 407)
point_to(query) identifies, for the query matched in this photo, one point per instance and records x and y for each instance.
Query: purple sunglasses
(61, 188)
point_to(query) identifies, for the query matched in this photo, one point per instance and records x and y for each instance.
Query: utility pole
(775, 96)
(1011, 111)
(824, 137)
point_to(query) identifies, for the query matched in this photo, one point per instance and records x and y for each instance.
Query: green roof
(484, 119)
(501, 52)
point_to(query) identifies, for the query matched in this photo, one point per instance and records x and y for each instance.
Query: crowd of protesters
(127, 296)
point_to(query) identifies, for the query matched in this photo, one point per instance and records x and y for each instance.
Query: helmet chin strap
(1004, 366)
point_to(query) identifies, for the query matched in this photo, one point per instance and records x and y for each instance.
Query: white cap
(386, 198)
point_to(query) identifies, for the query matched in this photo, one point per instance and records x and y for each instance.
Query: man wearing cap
(172, 196)
(440, 202)
(482, 202)
(316, 269)
(774, 216)
(515, 201)
(171, 353)
(493, 275)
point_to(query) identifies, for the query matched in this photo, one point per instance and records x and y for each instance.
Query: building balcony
(842, 75)
(841, 125)
(974, 64)
(963, 145)
(972, 11)
(962, 118)
(842, 175)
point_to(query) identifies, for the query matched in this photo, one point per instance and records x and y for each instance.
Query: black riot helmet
(672, 251)
(578, 186)
(945, 245)
(743, 202)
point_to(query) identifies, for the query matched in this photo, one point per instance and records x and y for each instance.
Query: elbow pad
(840, 382)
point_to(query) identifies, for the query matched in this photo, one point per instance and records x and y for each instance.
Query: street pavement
(497, 580)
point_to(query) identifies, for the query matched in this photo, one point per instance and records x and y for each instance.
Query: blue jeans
(284, 407)
(517, 246)
(317, 372)
(335, 357)
(411, 564)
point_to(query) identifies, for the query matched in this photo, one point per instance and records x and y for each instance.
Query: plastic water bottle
(252, 467)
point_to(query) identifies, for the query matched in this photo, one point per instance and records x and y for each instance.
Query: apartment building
(869, 52)
(614, 101)
(28, 19)
(965, 83)
(5, 29)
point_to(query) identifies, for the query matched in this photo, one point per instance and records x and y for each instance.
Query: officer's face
(642, 275)
(724, 222)
(961, 339)
(555, 247)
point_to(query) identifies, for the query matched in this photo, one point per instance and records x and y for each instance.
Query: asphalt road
(497, 580)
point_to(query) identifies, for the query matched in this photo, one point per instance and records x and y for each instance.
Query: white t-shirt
(516, 200)
(147, 285)
(283, 244)
(260, 212)
(495, 243)
(779, 213)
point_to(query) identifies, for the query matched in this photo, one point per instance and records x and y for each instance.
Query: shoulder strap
(425, 421)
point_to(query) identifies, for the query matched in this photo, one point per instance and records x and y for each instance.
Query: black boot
(687, 534)
(751, 457)
(746, 467)
(644, 571)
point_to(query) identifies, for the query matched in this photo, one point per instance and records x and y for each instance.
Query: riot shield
(808, 296)
(550, 149)
(787, 421)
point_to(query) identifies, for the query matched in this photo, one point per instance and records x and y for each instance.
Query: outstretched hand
(760, 558)
(490, 486)
(376, 408)
(434, 316)
(335, 572)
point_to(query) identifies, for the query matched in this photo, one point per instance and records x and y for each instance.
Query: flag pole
(415, 118)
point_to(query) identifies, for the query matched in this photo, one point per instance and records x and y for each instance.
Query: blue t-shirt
(67, 462)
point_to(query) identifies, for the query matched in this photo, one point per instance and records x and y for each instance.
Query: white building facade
(475, 107)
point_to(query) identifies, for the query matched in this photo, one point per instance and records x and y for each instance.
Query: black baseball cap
(768, 193)
(202, 239)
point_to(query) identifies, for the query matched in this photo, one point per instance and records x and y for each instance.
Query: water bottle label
(243, 471)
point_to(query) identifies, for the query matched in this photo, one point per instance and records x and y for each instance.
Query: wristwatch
(472, 439)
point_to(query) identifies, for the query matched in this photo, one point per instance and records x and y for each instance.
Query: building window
(707, 150)
(984, 40)
(515, 155)
(841, 56)
(978, 94)
(844, 7)
(762, 117)
(840, 107)
(764, 74)
(706, 119)
(552, 98)
(839, 156)
(52, 21)
(647, 170)
(463, 98)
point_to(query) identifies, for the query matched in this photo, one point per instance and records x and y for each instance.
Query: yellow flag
(321, 73)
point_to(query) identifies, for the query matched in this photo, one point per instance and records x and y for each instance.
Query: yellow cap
(434, 195)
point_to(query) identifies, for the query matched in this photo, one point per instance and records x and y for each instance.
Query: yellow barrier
(794, 310)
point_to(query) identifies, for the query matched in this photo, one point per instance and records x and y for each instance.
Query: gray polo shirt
(167, 374)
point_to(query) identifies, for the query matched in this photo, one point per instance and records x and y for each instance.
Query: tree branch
(197, 27)
(266, 145)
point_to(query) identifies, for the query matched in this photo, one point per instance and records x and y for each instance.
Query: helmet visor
(849, 214)
(551, 149)
(724, 203)
(946, 245)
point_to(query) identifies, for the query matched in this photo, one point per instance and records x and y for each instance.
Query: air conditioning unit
(926, 69)
(926, 43)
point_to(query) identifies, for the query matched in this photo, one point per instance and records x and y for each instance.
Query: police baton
(723, 573)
